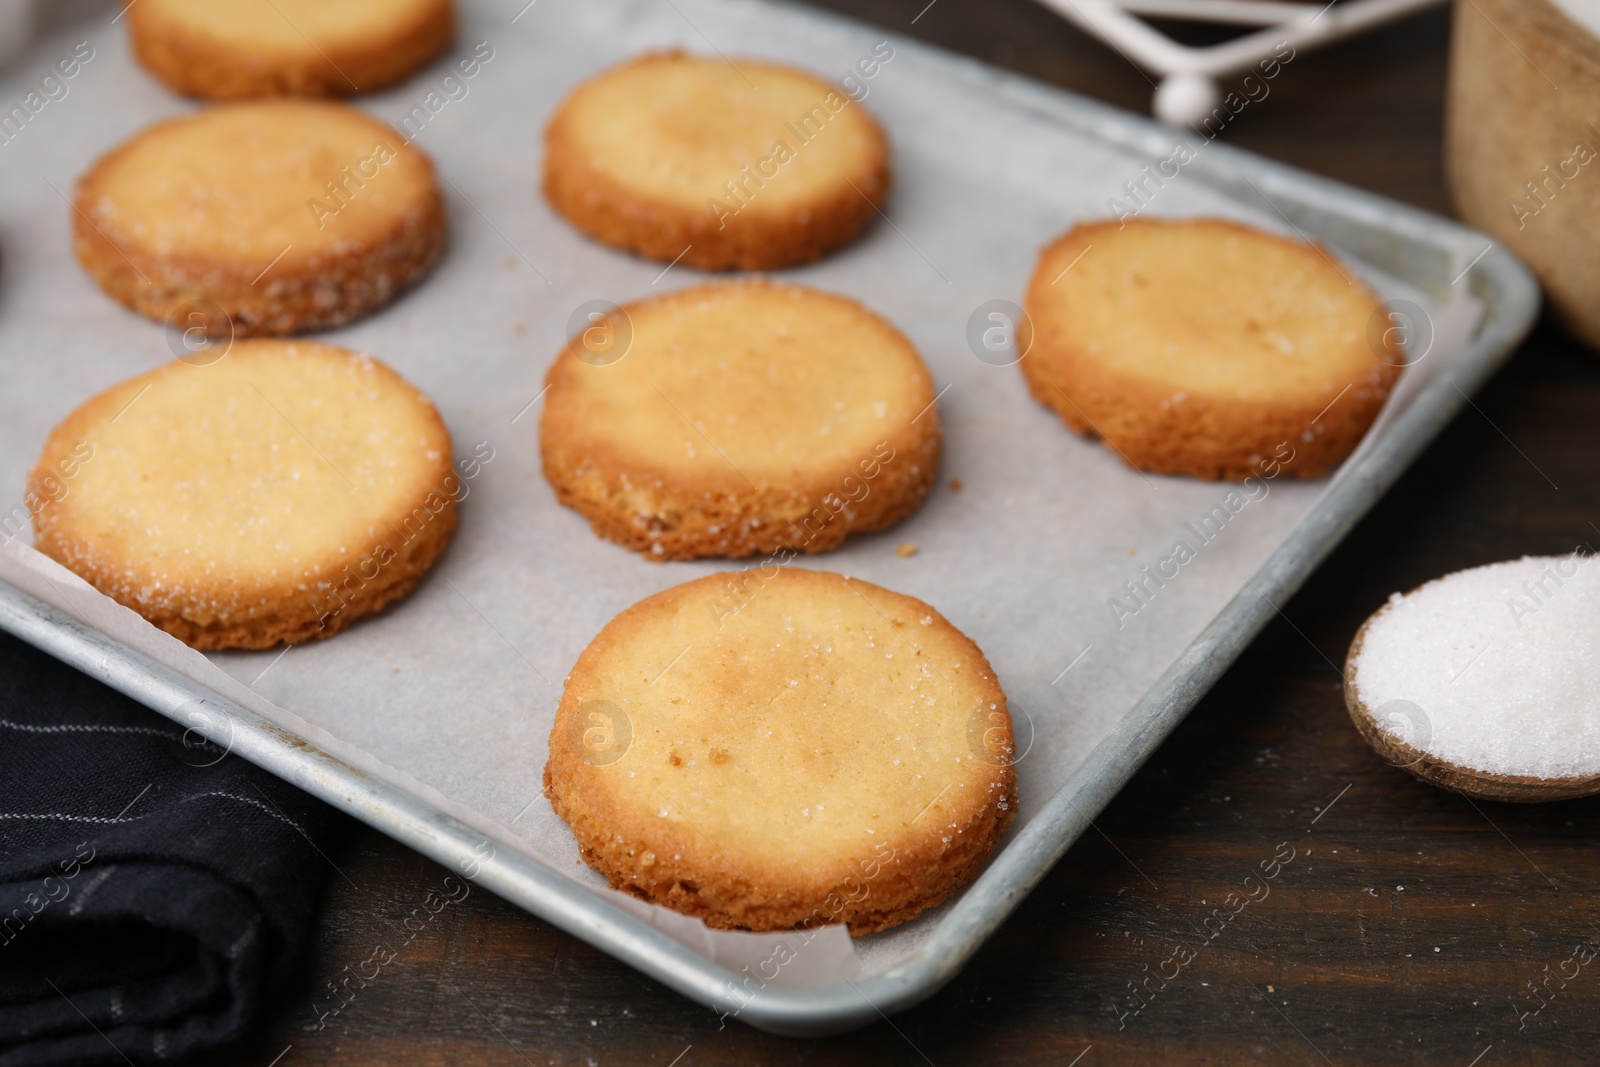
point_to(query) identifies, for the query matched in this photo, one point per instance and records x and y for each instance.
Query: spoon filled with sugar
(1487, 681)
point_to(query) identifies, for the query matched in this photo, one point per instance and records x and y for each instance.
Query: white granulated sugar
(1503, 662)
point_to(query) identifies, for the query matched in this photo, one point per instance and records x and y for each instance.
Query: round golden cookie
(275, 495)
(242, 48)
(777, 748)
(267, 217)
(724, 163)
(739, 417)
(1204, 347)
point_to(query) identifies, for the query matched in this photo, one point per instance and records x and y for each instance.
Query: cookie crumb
(906, 549)
(955, 485)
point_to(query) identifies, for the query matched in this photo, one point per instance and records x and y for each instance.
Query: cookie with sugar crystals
(266, 217)
(274, 495)
(1206, 347)
(724, 163)
(779, 748)
(739, 417)
(223, 49)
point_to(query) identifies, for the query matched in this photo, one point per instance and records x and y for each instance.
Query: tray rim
(1511, 299)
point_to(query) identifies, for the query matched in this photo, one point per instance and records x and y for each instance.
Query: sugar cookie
(275, 495)
(1205, 347)
(778, 748)
(267, 217)
(722, 163)
(241, 48)
(740, 417)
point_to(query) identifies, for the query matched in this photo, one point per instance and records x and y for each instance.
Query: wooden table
(1411, 924)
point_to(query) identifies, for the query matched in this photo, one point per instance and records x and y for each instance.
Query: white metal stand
(1188, 90)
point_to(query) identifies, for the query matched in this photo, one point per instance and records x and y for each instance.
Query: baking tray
(1480, 298)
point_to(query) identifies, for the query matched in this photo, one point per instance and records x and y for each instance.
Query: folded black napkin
(154, 889)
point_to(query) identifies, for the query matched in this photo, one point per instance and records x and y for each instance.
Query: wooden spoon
(1468, 781)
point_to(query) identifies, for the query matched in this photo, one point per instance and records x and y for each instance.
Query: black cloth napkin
(155, 889)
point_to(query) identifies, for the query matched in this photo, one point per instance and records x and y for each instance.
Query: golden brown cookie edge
(161, 286)
(908, 883)
(741, 519)
(1202, 438)
(658, 229)
(294, 619)
(203, 67)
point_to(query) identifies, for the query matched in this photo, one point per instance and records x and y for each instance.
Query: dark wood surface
(1409, 928)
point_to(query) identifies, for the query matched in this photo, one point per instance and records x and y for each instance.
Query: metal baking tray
(1428, 254)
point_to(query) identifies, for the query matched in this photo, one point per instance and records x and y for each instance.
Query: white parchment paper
(451, 693)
